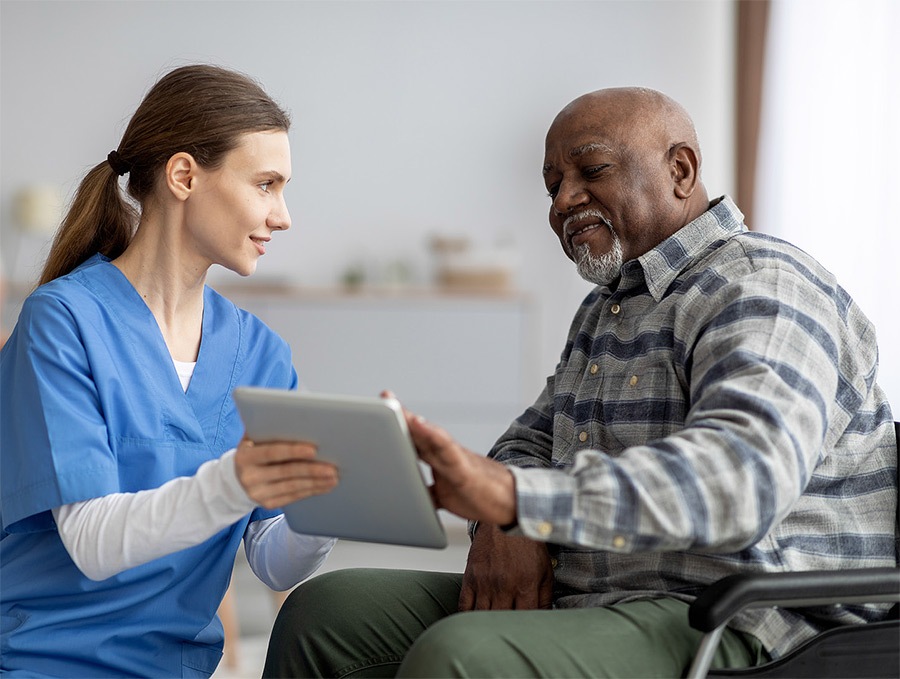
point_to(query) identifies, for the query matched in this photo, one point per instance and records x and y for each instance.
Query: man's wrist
(511, 517)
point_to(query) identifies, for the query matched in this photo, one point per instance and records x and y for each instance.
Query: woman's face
(231, 214)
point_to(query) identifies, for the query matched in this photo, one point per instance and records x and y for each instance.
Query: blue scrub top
(92, 405)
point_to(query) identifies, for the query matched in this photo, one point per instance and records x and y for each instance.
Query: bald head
(635, 113)
(630, 155)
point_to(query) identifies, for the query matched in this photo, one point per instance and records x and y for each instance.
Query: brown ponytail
(201, 110)
(99, 220)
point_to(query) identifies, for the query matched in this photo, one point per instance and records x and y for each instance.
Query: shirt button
(545, 528)
(615, 308)
(633, 380)
(618, 542)
(582, 436)
(594, 369)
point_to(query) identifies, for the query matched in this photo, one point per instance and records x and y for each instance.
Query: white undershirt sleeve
(110, 534)
(280, 557)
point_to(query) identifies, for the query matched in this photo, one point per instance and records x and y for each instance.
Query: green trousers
(386, 623)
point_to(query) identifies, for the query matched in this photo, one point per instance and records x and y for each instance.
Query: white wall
(409, 117)
(828, 174)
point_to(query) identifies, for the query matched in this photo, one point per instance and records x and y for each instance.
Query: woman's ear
(685, 168)
(181, 173)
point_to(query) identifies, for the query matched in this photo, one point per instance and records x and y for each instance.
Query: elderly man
(715, 410)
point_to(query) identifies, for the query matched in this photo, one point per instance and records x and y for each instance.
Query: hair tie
(118, 165)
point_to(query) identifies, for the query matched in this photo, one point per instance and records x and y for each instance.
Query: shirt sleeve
(110, 534)
(529, 440)
(50, 407)
(769, 376)
(280, 557)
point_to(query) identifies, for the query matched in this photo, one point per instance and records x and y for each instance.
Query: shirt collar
(661, 265)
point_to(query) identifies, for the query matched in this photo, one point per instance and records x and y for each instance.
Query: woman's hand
(277, 473)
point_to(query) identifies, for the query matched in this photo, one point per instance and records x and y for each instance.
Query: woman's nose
(280, 218)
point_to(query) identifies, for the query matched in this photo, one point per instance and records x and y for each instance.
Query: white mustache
(586, 214)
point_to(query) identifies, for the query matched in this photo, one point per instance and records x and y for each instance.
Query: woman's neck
(171, 285)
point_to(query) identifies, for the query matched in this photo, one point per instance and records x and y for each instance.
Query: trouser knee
(329, 595)
(297, 643)
(462, 645)
(357, 622)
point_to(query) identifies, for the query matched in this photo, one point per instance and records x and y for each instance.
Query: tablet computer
(381, 496)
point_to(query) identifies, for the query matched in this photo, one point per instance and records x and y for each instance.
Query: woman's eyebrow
(274, 175)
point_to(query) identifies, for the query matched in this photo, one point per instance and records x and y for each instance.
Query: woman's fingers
(279, 472)
(285, 492)
(274, 452)
(278, 490)
(291, 471)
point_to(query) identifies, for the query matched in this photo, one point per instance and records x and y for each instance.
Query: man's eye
(552, 191)
(265, 186)
(594, 171)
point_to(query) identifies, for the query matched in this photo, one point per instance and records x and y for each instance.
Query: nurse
(126, 485)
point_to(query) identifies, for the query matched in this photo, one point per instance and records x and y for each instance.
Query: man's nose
(569, 196)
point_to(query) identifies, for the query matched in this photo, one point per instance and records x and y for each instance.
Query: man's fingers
(466, 597)
(502, 602)
(545, 597)
(435, 500)
(428, 438)
(482, 603)
(526, 600)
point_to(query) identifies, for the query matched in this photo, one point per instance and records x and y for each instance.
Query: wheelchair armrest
(723, 599)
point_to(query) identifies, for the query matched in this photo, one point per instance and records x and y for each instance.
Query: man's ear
(684, 165)
(181, 175)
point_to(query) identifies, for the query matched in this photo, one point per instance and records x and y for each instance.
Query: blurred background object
(37, 208)
(464, 265)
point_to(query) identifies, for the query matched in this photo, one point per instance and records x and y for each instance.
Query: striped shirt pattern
(715, 412)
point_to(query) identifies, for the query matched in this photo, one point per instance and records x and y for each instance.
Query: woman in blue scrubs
(126, 485)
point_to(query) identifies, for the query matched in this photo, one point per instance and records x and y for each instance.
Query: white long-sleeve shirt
(110, 534)
(107, 535)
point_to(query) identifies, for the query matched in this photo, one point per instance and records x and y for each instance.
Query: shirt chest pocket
(616, 406)
(638, 385)
(641, 402)
(149, 463)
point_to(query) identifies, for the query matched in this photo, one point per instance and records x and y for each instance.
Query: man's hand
(277, 473)
(469, 485)
(506, 572)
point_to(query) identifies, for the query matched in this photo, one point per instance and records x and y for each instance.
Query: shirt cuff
(544, 504)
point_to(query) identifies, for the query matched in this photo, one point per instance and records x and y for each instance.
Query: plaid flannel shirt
(714, 412)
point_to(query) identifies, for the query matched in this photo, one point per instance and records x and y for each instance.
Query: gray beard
(601, 270)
